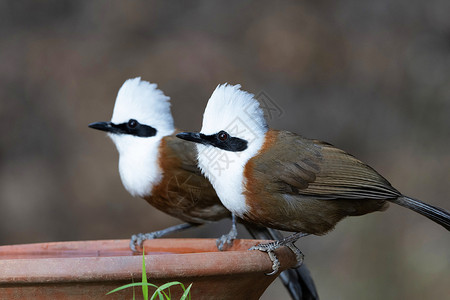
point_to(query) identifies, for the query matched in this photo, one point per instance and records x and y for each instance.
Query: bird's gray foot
(272, 246)
(226, 240)
(137, 240)
(298, 254)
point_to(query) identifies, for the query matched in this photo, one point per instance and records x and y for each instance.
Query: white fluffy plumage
(228, 104)
(240, 115)
(138, 156)
(143, 101)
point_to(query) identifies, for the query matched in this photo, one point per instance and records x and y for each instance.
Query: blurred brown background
(371, 77)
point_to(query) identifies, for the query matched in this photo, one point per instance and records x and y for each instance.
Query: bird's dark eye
(132, 123)
(223, 136)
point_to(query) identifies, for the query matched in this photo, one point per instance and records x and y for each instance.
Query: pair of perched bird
(162, 169)
(268, 178)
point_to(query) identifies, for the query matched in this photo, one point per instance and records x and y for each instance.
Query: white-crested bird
(282, 180)
(162, 169)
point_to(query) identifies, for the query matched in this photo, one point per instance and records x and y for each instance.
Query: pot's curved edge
(186, 245)
(204, 262)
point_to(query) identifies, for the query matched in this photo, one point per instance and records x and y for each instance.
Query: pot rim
(106, 260)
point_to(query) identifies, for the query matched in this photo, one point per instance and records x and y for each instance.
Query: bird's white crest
(228, 104)
(240, 115)
(143, 101)
(138, 161)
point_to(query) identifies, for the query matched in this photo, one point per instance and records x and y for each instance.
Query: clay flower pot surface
(90, 269)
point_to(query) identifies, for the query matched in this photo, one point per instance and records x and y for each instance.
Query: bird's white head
(141, 118)
(143, 101)
(233, 131)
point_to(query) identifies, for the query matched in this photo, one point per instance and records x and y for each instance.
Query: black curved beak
(103, 126)
(195, 137)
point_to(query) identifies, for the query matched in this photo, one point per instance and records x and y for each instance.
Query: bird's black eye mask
(132, 127)
(221, 140)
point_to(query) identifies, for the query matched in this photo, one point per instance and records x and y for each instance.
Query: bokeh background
(371, 77)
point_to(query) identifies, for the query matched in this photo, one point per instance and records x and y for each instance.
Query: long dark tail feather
(436, 214)
(298, 282)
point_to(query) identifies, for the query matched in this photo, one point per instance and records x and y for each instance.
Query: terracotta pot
(90, 269)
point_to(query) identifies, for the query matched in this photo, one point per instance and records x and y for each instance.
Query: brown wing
(186, 153)
(184, 192)
(312, 168)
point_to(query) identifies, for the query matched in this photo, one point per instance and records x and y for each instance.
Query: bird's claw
(137, 240)
(266, 247)
(275, 263)
(271, 247)
(226, 240)
(299, 256)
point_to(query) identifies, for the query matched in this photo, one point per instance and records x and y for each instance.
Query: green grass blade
(131, 285)
(187, 293)
(159, 290)
(163, 287)
(134, 290)
(144, 277)
(169, 284)
(160, 294)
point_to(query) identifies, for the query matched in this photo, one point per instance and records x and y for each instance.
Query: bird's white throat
(225, 170)
(240, 115)
(138, 163)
